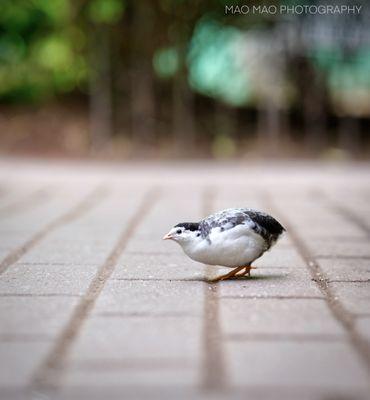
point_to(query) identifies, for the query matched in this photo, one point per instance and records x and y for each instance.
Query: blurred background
(124, 79)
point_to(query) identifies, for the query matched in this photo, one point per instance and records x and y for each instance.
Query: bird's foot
(232, 273)
(247, 271)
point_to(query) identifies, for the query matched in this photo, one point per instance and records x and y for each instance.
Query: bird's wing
(261, 223)
(265, 222)
(224, 220)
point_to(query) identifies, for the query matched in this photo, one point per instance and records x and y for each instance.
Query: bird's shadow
(238, 278)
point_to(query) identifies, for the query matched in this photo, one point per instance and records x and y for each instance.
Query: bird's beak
(166, 237)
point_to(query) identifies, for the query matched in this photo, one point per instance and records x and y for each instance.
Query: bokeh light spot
(106, 11)
(214, 68)
(166, 62)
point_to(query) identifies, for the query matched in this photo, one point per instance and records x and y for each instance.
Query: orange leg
(230, 274)
(247, 271)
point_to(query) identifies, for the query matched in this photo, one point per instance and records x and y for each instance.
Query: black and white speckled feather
(260, 222)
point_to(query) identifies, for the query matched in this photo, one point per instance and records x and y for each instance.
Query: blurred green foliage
(41, 50)
(43, 45)
(344, 72)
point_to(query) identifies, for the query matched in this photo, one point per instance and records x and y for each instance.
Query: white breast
(235, 247)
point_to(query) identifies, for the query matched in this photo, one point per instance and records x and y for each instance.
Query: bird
(232, 238)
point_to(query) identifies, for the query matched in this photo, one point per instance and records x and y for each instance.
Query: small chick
(231, 238)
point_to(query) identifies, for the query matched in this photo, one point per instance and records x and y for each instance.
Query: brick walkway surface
(94, 305)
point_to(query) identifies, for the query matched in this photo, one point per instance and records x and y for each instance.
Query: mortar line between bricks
(341, 257)
(108, 314)
(87, 203)
(282, 337)
(151, 253)
(338, 311)
(134, 390)
(161, 279)
(39, 295)
(61, 264)
(350, 239)
(362, 315)
(131, 363)
(29, 200)
(53, 365)
(25, 337)
(267, 297)
(213, 368)
(348, 281)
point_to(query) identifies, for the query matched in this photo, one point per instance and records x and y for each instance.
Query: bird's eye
(178, 231)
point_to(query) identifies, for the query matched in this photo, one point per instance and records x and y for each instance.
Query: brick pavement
(94, 305)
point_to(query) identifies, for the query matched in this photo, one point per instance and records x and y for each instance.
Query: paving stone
(11, 194)
(152, 297)
(184, 393)
(363, 327)
(3, 253)
(173, 268)
(63, 254)
(355, 203)
(171, 392)
(284, 242)
(354, 296)
(19, 361)
(139, 339)
(174, 207)
(34, 315)
(158, 245)
(279, 317)
(47, 279)
(158, 266)
(312, 230)
(15, 231)
(95, 233)
(135, 392)
(309, 364)
(338, 248)
(265, 282)
(282, 257)
(137, 377)
(149, 338)
(346, 269)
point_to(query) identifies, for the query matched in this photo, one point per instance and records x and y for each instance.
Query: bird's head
(184, 232)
